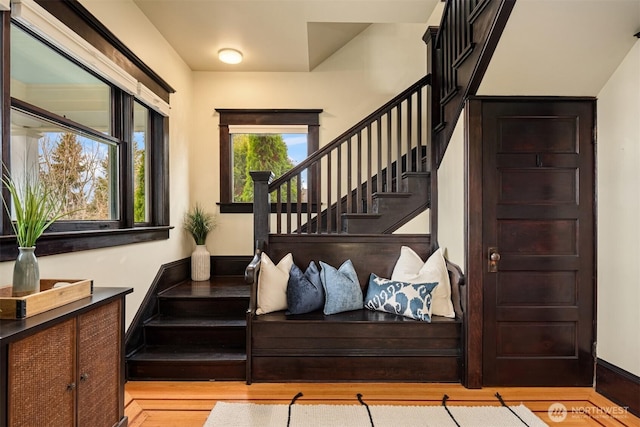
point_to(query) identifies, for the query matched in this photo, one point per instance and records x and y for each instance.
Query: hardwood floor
(186, 404)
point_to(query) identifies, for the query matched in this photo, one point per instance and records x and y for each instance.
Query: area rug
(362, 415)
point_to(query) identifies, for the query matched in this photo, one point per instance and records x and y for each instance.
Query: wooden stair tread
(187, 354)
(391, 195)
(197, 322)
(220, 287)
(361, 215)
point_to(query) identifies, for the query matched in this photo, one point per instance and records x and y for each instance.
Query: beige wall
(451, 198)
(351, 84)
(618, 215)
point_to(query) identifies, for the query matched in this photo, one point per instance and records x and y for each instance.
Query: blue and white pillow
(411, 300)
(410, 268)
(341, 287)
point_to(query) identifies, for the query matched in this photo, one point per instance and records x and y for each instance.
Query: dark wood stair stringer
(392, 210)
(395, 182)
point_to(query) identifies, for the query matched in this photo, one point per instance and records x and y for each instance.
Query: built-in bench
(357, 345)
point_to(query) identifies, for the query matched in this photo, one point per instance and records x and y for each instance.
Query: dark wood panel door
(538, 221)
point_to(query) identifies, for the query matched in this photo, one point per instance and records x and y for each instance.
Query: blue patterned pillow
(304, 292)
(405, 299)
(341, 287)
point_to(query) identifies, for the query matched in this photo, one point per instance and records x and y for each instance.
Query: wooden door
(99, 359)
(538, 218)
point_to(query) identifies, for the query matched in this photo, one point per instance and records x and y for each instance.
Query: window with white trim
(266, 140)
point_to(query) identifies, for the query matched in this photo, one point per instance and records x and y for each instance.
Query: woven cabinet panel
(99, 356)
(41, 369)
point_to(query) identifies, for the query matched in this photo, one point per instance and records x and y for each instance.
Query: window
(80, 168)
(93, 133)
(250, 140)
(275, 149)
(140, 134)
(46, 79)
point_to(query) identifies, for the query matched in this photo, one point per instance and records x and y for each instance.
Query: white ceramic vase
(200, 264)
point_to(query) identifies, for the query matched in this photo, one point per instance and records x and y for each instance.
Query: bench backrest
(369, 254)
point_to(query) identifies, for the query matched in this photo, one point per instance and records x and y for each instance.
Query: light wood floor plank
(176, 418)
(613, 410)
(188, 404)
(134, 411)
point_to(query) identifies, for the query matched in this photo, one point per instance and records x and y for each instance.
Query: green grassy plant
(34, 206)
(199, 223)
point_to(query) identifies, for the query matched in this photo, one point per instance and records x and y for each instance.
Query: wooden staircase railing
(461, 49)
(341, 177)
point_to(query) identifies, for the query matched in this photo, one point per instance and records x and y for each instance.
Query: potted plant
(35, 208)
(199, 223)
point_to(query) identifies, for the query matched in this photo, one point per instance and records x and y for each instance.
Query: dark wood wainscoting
(618, 385)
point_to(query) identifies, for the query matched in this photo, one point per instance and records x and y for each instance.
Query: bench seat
(362, 345)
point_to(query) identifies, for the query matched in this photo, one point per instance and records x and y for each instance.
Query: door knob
(494, 258)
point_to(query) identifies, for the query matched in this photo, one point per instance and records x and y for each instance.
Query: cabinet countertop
(11, 330)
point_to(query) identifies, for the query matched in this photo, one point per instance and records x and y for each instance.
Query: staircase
(198, 333)
(390, 210)
(372, 179)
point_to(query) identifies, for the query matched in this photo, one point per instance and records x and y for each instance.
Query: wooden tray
(48, 298)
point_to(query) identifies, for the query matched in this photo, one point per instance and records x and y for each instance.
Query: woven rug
(362, 415)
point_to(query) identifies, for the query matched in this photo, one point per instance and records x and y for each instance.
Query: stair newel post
(261, 204)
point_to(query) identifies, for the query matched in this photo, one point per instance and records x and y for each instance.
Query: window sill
(65, 242)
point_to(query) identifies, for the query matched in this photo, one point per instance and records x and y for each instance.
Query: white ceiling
(562, 47)
(549, 47)
(274, 35)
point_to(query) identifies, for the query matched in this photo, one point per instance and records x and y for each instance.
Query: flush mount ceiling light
(230, 56)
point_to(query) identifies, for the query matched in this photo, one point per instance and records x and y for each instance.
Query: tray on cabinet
(49, 297)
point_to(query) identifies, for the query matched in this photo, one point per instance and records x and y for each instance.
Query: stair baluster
(346, 176)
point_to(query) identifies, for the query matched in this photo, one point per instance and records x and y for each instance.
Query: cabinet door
(99, 366)
(42, 378)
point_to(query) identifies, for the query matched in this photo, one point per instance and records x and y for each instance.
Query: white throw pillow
(410, 268)
(272, 284)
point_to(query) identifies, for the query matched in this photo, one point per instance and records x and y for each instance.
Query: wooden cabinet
(65, 367)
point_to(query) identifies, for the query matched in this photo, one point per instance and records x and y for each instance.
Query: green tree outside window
(258, 152)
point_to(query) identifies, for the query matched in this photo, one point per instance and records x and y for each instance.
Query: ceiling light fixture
(230, 56)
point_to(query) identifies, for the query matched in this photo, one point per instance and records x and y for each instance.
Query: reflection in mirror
(43, 77)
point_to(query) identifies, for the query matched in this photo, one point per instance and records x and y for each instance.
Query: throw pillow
(341, 287)
(272, 284)
(410, 268)
(304, 291)
(411, 300)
